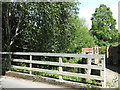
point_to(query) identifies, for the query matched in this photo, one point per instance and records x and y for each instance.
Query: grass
(68, 78)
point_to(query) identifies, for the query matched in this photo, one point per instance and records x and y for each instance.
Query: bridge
(30, 72)
(12, 82)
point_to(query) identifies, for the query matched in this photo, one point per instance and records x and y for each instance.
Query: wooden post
(89, 70)
(30, 64)
(89, 63)
(103, 72)
(107, 53)
(10, 62)
(60, 68)
(96, 51)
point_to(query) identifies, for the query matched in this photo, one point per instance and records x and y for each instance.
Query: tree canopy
(103, 26)
(29, 25)
(44, 27)
(81, 36)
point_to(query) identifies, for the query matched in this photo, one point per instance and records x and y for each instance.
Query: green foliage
(72, 60)
(103, 26)
(38, 26)
(44, 27)
(118, 88)
(92, 82)
(20, 70)
(102, 50)
(22, 64)
(72, 78)
(81, 36)
(15, 19)
(64, 60)
(114, 83)
(119, 38)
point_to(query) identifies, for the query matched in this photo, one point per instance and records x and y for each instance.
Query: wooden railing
(60, 64)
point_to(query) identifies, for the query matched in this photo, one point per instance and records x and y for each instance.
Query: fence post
(89, 63)
(60, 68)
(10, 57)
(103, 72)
(30, 64)
(88, 69)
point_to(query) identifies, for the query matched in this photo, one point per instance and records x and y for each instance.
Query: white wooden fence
(60, 64)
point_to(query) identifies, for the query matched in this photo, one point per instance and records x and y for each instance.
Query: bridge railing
(61, 64)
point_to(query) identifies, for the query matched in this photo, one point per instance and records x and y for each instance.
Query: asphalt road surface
(11, 82)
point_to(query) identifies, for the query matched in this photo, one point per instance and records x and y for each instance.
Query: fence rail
(60, 64)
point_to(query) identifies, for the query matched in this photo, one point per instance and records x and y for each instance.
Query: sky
(87, 8)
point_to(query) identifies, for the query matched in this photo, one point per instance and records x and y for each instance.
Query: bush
(102, 50)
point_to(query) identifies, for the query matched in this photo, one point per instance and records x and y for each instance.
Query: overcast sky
(87, 8)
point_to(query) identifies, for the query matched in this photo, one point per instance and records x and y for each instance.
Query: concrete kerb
(62, 83)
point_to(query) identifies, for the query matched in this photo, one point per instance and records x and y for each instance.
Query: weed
(114, 83)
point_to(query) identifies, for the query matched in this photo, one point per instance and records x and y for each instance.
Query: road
(112, 72)
(12, 82)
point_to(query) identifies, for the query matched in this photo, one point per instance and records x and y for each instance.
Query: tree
(81, 37)
(103, 26)
(34, 26)
(15, 19)
(55, 26)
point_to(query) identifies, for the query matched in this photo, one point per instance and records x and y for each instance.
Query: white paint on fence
(60, 64)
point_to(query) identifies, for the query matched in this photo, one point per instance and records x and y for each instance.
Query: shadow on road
(114, 68)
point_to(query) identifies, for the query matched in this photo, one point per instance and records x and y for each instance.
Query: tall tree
(54, 26)
(81, 37)
(37, 26)
(15, 19)
(103, 26)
